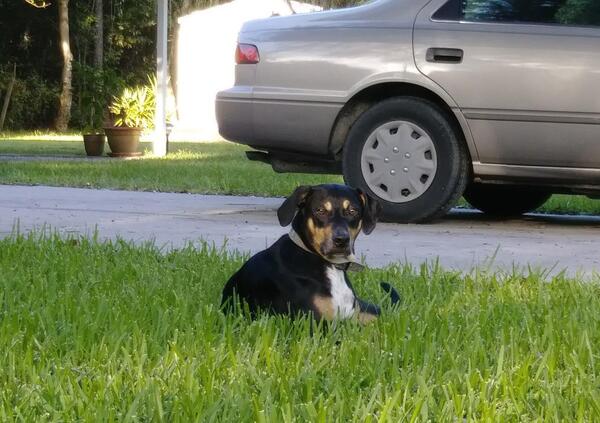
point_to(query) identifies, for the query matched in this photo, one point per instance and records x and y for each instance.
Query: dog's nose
(341, 240)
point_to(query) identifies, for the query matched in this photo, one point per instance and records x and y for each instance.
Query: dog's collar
(349, 265)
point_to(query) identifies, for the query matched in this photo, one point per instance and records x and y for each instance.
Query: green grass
(110, 332)
(39, 135)
(42, 145)
(214, 167)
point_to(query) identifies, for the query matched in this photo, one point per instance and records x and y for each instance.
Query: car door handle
(444, 55)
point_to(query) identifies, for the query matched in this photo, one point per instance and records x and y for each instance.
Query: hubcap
(399, 161)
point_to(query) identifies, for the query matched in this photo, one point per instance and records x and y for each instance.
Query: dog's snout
(341, 239)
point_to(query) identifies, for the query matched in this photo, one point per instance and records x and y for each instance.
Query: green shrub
(33, 103)
(92, 92)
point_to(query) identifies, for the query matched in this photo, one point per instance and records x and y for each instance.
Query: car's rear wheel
(405, 153)
(505, 200)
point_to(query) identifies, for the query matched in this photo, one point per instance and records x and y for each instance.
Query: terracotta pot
(94, 144)
(123, 141)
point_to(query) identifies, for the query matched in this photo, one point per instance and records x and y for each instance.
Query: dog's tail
(391, 291)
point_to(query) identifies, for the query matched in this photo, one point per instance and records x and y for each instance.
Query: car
(419, 102)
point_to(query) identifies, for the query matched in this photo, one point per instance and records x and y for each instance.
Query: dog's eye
(321, 211)
(352, 211)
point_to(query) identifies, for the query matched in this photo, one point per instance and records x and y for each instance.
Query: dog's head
(328, 218)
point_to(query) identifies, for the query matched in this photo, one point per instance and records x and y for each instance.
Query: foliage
(583, 12)
(335, 4)
(134, 108)
(32, 102)
(26, 40)
(94, 90)
(29, 38)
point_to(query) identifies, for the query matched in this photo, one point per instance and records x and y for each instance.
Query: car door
(525, 74)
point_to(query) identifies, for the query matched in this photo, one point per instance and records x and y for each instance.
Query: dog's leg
(367, 312)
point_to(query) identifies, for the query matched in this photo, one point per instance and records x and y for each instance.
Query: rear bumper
(234, 114)
(275, 124)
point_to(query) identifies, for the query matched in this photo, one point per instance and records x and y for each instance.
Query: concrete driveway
(462, 241)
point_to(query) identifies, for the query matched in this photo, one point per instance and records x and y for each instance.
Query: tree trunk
(181, 8)
(289, 3)
(7, 97)
(64, 109)
(99, 41)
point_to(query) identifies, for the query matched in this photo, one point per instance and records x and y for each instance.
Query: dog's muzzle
(345, 257)
(339, 246)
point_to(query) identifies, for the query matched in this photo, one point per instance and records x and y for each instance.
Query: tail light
(246, 54)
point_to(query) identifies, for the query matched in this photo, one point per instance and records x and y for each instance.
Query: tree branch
(289, 3)
(38, 4)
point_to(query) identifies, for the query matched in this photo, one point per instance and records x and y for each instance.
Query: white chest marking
(342, 296)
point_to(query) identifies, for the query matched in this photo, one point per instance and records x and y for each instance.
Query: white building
(205, 59)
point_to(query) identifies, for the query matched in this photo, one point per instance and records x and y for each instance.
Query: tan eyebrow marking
(328, 206)
(346, 204)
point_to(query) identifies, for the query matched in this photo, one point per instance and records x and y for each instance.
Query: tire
(505, 200)
(411, 140)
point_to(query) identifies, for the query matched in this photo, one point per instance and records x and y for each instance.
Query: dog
(305, 272)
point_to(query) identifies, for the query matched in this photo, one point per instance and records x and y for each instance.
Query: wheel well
(366, 98)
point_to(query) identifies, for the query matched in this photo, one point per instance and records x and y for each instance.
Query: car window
(562, 12)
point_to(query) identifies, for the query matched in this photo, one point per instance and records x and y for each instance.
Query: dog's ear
(371, 211)
(290, 206)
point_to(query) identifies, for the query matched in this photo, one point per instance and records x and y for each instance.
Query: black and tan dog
(305, 272)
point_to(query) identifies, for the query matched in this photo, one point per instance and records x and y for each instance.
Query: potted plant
(132, 112)
(93, 142)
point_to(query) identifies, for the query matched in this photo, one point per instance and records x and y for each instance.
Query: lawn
(215, 168)
(110, 332)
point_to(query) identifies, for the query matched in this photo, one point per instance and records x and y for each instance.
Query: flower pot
(94, 144)
(123, 141)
